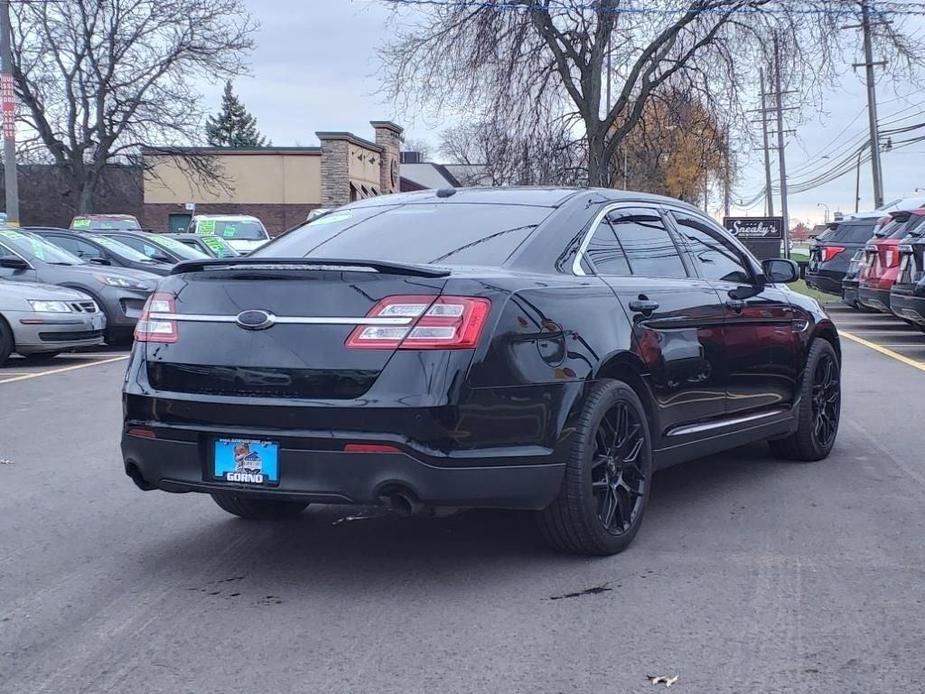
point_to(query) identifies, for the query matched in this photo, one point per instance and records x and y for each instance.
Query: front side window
(715, 258)
(650, 251)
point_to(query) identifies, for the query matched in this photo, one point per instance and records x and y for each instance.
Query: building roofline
(230, 150)
(388, 125)
(349, 137)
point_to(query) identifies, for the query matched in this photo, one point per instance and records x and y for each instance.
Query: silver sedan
(41, 320)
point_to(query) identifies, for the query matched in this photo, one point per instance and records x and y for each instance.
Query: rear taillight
(152, 327)
(445, 322)
(829, 252)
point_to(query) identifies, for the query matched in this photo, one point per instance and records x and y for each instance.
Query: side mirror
(780, 270)
(161, 258)
(99, 260)
(14, 263)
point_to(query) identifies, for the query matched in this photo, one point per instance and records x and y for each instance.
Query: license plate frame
(245, 462)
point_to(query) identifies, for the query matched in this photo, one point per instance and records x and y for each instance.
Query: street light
(822, 204)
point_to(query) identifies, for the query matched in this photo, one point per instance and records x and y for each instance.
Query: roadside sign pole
(8, 99)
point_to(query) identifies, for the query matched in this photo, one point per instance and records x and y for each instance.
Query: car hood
(35, 290)
(244, 246)
(127, 273)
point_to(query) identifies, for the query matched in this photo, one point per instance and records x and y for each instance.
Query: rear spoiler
(308, 264)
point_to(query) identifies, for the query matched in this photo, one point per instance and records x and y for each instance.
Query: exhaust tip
(135, 474)
(403, 502)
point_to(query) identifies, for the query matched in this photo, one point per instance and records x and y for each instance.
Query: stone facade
(335, 176)
(388, 137)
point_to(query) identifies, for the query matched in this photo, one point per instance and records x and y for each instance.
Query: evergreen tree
(233, 126)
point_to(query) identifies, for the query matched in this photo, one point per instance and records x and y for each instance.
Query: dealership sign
(755, 228)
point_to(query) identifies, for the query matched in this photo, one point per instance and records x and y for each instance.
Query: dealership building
(280, 185)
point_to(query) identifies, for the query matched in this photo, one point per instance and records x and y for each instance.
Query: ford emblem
(255, 319)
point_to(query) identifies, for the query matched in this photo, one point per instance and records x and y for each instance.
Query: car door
(760, 370)
(16, 274)
(677, 319)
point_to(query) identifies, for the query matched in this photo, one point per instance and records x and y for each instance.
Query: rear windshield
(448, 233)
(851, 232)
(232, 230)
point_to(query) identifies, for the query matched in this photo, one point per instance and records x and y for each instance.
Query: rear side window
(605, 252)
(649, 248)
(447, 233)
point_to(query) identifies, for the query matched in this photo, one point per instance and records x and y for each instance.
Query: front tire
(6, 341)
(257, 509)
(819, 410)
(607, 478)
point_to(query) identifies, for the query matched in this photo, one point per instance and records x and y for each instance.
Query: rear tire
(6, 341)
(257, 509)
(819, 410)
(607, 478)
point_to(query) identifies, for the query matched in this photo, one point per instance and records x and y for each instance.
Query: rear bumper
(849, 292)
(878, 299)
(908, 307)
(338, 477)
(826, 281)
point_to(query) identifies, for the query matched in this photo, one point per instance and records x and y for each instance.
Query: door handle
(735, 305)
(643, 305)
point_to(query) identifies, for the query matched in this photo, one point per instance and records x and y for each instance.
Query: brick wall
(46, 199)
(276, 218)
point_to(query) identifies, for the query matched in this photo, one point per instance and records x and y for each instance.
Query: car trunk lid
(279, 328)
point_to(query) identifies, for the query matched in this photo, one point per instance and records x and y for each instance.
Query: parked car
(853, 279)
(101, 249)
(39, 321)
(243, 232)
(214, 246)
(830, 255)
(907, 295)
(881, 262)
(119, 292)
(159, 247)
(105, 222)
(535, 349)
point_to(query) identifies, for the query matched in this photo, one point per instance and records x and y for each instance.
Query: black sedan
(544, 350)
(101, 249)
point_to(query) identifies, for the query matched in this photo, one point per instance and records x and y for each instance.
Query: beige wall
(363, 166)
(275, 178)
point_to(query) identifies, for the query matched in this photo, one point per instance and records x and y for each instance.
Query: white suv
(242, 232)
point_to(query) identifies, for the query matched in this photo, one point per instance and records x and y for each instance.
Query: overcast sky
(317, 70)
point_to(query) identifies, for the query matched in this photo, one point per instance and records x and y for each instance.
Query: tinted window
(121, 249)
(180, 249)
(34, 247)
(447, 233)
(649, 248)
(715, 258)
(605, 251)
(901, 230)
(851, 232)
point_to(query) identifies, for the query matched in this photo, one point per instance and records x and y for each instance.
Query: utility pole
(857, 183)
(781, 157)
(769, 198)
(8, 98)
(872, 106)
(727, 174)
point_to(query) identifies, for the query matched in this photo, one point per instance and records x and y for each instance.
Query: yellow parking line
(883, 350)
(51, 372)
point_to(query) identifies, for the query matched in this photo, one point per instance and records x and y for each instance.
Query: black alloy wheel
(6, 341)
(607, 477)
(826, 400)
(617, 478)
(819, 408)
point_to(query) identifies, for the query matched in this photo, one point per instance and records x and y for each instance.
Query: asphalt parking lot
(749, 574)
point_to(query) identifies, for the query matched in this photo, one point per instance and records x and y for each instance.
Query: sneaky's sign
(755, 228)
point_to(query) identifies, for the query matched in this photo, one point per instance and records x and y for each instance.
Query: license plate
(96, 322)
(246, 461)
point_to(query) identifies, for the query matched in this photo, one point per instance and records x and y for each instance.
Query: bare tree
(523, 59)
(495, 154)
(100, 79)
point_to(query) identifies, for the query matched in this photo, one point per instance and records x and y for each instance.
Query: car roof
(232, 217)
(527, 195)
(105, 216)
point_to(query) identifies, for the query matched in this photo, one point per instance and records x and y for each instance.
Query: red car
(881, 264)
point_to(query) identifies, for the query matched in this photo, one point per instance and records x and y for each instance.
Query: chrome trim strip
(285, 320)
(697, 428)
(586, 241)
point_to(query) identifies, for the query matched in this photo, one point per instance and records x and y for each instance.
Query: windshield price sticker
(206, 226)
